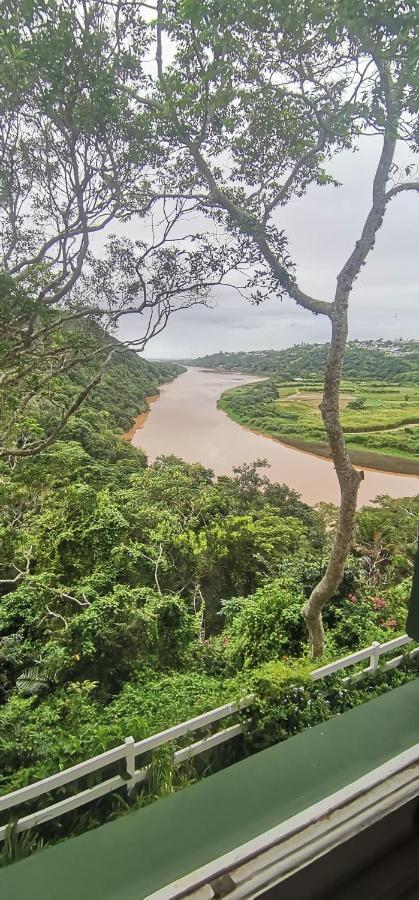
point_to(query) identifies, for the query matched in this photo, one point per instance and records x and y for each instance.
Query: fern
(31, 682)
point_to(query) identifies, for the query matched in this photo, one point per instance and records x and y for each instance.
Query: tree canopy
(76, 159)
(136, 594)
(255, 103)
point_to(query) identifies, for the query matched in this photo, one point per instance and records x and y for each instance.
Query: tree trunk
(349, 479)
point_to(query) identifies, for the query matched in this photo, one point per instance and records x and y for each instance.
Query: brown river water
(184, 421)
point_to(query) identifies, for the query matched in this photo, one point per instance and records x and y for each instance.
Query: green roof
(140, 852)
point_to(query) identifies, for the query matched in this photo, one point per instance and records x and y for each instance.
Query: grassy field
(379, 420)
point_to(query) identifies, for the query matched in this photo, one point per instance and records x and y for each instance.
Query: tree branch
(32, 449)
(257, 232)
(282, 193)
(159, 56)
(399, 188)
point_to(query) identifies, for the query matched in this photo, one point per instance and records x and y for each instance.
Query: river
(184, 421)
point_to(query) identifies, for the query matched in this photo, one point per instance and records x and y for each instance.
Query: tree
(356, 403)
(257, 100)
(75, 158)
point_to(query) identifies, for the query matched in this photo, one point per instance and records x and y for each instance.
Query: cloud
(322, 228)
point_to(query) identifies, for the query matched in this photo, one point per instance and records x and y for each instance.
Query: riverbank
(377, 462)
(375, 436)
(186, 423)
(140, 419)
(364, 459)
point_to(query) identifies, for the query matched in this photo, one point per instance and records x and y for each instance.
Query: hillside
(130, 379)
(34, 406)
(134, 597)
(364, 360)
(380, 399)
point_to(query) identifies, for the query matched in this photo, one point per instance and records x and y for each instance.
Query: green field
(386, 423)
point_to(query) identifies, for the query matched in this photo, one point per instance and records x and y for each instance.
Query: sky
(322, 228)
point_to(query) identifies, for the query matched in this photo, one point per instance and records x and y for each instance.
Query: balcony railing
(127, 753)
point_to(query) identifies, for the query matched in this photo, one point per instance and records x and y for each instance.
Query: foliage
(113, 570)
(265, 626)
(113, 625)
(386, 538)
(378, 417)
(356, 403)
(132, 595)
(109, 639)
(19, 845)
(374, 360)
(288, 701)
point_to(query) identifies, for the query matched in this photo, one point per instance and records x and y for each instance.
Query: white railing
(128, 752)
(373, 653)
(130, 749)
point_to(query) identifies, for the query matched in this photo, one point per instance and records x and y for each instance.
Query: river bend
(184, 421)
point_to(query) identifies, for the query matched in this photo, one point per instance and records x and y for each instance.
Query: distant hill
(119, 397)
(364, 360)
(125, 386)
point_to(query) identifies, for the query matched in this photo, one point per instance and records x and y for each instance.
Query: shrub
(356, 403)
(359, 621)
(265, 626)
(288, 701)
(109, 639)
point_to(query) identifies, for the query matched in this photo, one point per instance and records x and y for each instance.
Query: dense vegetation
(134, 596)
(35, 395)
(366, 361)
(376, 418)
(379, 399)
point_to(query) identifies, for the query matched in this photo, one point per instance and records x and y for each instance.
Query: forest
(147, 153)
(376, 362)
(379, 401)
(135, 595)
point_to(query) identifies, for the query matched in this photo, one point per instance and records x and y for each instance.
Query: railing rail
(373, 653)
(130, 749)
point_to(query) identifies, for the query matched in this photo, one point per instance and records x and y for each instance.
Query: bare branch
(400, 188)
(21, 573)
(56, 615)
(257, 232)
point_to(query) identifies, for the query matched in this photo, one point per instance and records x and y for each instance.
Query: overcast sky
(322, 228)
